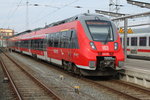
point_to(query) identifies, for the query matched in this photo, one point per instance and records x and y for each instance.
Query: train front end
(100, 47)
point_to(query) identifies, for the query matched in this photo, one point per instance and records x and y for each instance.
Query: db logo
(105, 47)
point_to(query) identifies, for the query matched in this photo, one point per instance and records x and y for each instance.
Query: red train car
(86, 44)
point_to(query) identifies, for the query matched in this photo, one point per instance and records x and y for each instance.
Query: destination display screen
(97, 23)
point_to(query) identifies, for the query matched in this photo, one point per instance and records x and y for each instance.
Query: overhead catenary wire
(38, 20)
(51, 13)
(12, 14)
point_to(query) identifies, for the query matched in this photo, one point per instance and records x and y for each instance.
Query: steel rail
(121, 94)
(11, 80)
(51, 92)
(98, 85)
(147, 91)
(114, 91)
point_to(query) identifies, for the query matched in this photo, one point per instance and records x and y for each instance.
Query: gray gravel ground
(51, 77)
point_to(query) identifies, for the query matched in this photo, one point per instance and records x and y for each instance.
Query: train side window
(32, 44)
(44, 43)
(149, 41)
(56, 39)
(50, 40)
(35, 44)
(133, 41)
(59, 39)
(25, 43)
(63, 40)
(70, 32)
(40, 44)
(142, 41)
(127, 41)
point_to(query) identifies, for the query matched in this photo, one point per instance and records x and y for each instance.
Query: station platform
(138, 64)
(137, 71)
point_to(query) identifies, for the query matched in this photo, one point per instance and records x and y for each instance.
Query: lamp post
(27, 15)
(88, 11)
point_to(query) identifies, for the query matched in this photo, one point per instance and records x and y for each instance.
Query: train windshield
(100, 30)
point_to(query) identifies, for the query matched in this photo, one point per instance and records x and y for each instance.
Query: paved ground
(139, 64)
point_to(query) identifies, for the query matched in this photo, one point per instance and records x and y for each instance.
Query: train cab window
(142, 41)
(133, 41)
(100, 30)
(127, 41)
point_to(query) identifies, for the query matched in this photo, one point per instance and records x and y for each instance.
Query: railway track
(25, 85)
(122, 90)
(6, 93)
(69, 87)
(135, 91)
(117, 87)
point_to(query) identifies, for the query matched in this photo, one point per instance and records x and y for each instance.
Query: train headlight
(115, 45)
(92, 45)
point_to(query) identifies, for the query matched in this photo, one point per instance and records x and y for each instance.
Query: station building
(4, 35)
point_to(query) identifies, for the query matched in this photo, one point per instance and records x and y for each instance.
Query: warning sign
(129, 31)
(121, 30)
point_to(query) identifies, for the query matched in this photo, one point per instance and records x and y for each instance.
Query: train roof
(78, 17)
(84, 16)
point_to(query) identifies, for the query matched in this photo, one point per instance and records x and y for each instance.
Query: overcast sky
(13, 12)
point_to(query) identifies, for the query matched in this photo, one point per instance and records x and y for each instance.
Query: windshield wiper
(106, 40)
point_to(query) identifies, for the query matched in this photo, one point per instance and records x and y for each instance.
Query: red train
(86, 44)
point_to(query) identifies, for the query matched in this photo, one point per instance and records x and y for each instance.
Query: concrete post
(125, 37)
